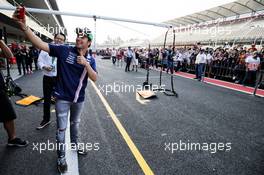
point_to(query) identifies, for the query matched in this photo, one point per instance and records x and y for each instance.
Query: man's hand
(47, 68)
(35, 40)
(82, 60)
(7, 52)
(82, 52)
(21, 22)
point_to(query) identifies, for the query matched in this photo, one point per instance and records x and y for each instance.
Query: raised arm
(7, 52)
(35, 40)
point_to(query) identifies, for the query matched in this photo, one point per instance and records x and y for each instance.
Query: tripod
(11, 87)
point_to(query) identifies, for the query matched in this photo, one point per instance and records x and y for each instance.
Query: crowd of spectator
(237, 64)
(25, 57)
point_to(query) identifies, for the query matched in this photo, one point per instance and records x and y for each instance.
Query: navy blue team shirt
(72, 77)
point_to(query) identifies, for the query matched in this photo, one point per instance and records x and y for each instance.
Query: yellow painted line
(141, 161)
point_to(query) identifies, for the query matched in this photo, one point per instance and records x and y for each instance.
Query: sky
(143, 10)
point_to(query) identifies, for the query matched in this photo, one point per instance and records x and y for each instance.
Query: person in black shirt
(34, 53)
(170, 65)
(20, 58)
(8, 114)
(28, 60)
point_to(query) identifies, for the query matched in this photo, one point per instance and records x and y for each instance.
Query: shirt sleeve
(41, 58)
(258, 60)
(57, 49)
(247, 60)
(93, 64)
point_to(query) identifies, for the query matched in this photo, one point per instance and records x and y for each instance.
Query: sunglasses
(86, 32)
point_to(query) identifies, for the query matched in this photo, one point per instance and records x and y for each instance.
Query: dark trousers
(36, 63)
(29, 65)
(239, 72)
(21, 62)
(200, 70)
(114, 60)
(196, 71)
(48, 86)
(250, 78)
(170, 67)
(128, 62)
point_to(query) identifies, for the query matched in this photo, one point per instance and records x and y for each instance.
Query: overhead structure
(93, 16)
(43, 25)
(238, 22)
(52, 20)
(234, 9)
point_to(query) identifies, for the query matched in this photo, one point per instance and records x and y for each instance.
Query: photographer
(8, 114)
(74, 67)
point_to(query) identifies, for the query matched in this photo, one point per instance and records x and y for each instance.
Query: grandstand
(238, 22)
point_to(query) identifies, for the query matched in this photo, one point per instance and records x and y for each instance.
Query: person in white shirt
(49, 67)
(135, 60)
(188, 56)
(252, 66)
(209, 58)
(129, 57)
(179, 57)
(113, 55)
(196, 62)
(200, 63)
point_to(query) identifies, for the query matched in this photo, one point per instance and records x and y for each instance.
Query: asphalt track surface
(202, 113)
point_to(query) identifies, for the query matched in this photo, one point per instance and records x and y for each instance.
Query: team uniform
(252, 67)
(69, 91)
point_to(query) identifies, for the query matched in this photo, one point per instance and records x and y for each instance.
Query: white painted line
(250, 93)
(142, 77)
(223, 86)
(71, 155)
